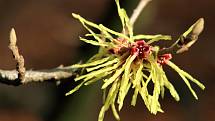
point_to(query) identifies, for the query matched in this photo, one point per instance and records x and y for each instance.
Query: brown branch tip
(16, 55)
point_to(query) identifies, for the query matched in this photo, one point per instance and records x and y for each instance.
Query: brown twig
(138, 10)
(19, 58)
(187, 39)
(21, 76)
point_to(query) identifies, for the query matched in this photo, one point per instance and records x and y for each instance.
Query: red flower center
(162, 59)
(141, 48)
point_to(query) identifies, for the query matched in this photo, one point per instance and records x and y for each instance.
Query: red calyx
(162, 59)
(134, 50)
(140, 42)
(141, 49)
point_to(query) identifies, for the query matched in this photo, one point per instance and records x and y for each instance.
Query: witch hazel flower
(127, 62)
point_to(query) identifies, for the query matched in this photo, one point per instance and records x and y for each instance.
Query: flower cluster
(128, 62)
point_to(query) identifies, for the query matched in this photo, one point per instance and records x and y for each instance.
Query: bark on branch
(10, 77)
(21, 76)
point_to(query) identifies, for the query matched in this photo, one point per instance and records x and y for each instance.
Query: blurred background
(48, 37)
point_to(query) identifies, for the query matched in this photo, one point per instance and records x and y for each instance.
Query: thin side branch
(142, 4)
(21, 76)
(19, 58)
(187, 39)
